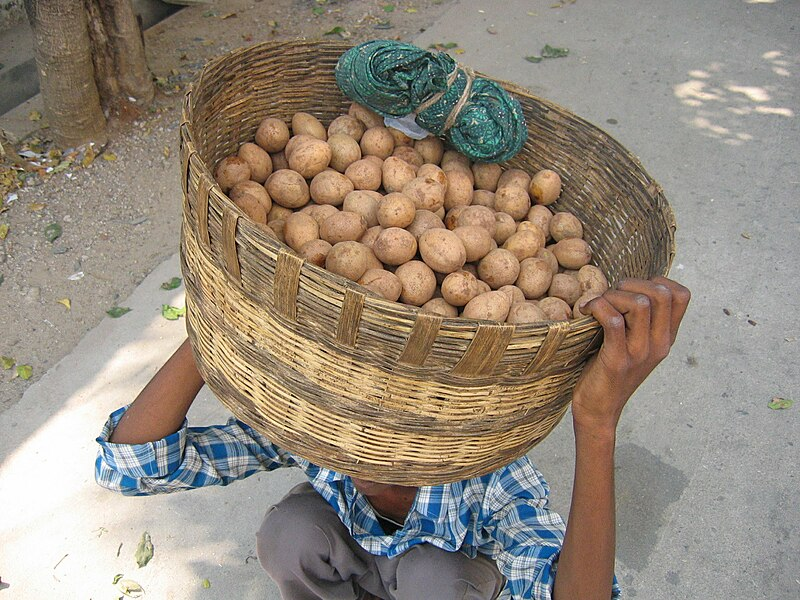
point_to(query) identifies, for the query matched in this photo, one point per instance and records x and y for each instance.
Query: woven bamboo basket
(350, 381)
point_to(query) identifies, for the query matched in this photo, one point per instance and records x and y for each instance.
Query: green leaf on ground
(115, 312)
(144, 551)
(780, 403)
(443, 46)
(340, 31)
(534, 59)
(7, 362)
(62, 166)
(4, 229)
(172, 284)
(24, 372)
(388, 7)
(318, 10)
(206, 584)
(130, 588)
(52, 232)
(551, 52)
(117, 577)
(172, 313)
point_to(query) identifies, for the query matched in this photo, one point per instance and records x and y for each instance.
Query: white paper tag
(407, 125)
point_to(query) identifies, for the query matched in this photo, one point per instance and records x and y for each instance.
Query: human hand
(640, 319)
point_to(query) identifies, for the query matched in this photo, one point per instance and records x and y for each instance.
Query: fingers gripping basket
(356, 383)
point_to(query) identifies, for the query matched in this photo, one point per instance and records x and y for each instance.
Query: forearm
(586, 561)
(161, 407)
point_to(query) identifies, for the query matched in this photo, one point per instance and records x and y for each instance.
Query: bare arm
(640, 320)
(161, 407)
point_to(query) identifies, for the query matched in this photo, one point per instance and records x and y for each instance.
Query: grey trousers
(310, 555)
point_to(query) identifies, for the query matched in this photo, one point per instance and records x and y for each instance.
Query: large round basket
(350, 381)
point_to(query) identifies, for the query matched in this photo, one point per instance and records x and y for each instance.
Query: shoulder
(519, 480)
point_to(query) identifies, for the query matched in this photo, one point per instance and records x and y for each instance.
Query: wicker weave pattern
(354, 382)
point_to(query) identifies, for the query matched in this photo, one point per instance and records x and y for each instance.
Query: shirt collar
(432, 501)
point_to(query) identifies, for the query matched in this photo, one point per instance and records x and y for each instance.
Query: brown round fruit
(565, 225)
(346, 125)
(230, 171)
(258, 159)
(498, 268)
(396, 210)
(288, 188)
(395, 246)
(299, 229)
(545, 187)
(489, 306)
(272, 134)
(348, 259)
(534, 277)
(442, 250)
(256, 190)
(383, 283)
(316, 252)
(525, 312)
(307, 124)
(459, 287)
(330, 187)
(572, 253)
(419, 282)
(342, 226)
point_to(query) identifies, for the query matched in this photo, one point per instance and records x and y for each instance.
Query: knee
(427, 571)
(291, 530)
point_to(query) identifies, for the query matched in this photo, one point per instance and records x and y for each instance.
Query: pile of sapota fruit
(412, 221)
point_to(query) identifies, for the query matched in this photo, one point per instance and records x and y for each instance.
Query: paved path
(707, 97)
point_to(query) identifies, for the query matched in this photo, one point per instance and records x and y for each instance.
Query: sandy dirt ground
(119, 216)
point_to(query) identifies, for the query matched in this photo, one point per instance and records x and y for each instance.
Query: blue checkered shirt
(503, 514)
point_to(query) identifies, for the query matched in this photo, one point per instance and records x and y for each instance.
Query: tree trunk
(66, 73)
(121, 72)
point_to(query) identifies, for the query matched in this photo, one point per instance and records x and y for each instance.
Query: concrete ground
(707, 97)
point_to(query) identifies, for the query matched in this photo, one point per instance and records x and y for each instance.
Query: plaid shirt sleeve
(528, 533)
(192, 457)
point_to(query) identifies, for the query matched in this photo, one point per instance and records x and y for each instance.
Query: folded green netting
(475, 115)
